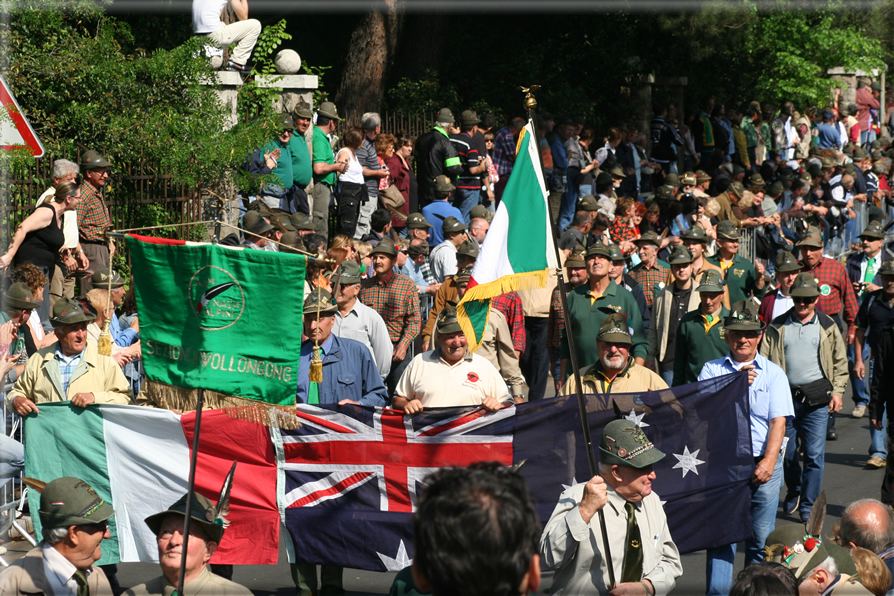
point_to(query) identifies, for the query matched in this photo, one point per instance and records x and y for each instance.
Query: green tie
(313, 391)
(633, 554)
(81, 579)
(870, 271)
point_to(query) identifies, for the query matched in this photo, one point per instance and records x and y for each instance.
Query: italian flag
(518, 251)
(137, 460)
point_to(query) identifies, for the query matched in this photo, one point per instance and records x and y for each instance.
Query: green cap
(737, 188)
(756, 180)
(417, 221)
(468, 249)
(702, 176)
(615, 253)
(743, 317)
(887, 268)
(696, 233)
(68, 312)
(671, 180)
(327, 108)
(481, 212)
(302, 110)
(587, 203)
(679, 255)
(805, 286)
(463, 275)
(321, 300)
(726, 230)
(874, 231)
(447, 321)
(385, 247)
(445, 116)
(664, 192)
(616, 171)
(283, 223)
(689, 179)
(201, 513)
(737, 169)
(793, 547)
(251, 219)
(350, 273)
(859, 154)
(19, 296)
(443, 184)
(879, 168)
(70, 501)
(786, 262)
(614, 329)
(712, 281)
(468, 118)
(261, 228)
(100, 279)
(775, 189)
(649, 237)
(285, 122)
(599, 249)
(576, 258)
(603, 179)
(813, 238)
(624, 443)
(93, 159)
(451, 225)
(301, 222)
(292, 239)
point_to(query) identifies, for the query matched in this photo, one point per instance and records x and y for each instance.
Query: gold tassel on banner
(316, 362)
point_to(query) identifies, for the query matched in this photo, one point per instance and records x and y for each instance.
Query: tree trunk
(422, 44)
(370, 57)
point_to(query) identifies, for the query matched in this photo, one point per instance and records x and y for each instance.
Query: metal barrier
(840, 246)
(10, 506)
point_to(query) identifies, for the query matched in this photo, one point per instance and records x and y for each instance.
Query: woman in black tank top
(39, 238)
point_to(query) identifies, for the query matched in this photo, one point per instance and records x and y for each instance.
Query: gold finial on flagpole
(530, 101)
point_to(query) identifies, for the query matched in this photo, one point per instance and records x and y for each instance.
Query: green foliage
(319, 94)
(426, 95)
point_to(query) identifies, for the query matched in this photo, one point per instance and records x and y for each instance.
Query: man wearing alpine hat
(74, 522)
(70, 369)
(771, 406)
(206, 530)
(645, 559)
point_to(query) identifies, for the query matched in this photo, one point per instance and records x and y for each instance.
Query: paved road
(845, 479)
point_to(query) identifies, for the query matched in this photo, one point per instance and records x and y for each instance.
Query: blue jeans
(668, 377)
(720, 560)
(861, 391)
(808, 428)
(464, 199)
(569, 204)
(12, 457)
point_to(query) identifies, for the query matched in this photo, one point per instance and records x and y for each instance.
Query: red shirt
(836, 292)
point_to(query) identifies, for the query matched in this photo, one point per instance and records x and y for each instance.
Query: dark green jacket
(693, 346)
(585, 319)
(740, 278)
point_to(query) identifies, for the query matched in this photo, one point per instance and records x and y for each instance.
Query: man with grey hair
(869, 524)
(373, 172)
(64, 171)
(74, 520)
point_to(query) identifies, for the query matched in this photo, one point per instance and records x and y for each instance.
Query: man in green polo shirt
(590, 303)
(324, 167)
(700, 333)
(742, 278)
(302, 168)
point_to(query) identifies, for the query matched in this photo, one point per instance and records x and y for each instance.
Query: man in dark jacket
(436, 156)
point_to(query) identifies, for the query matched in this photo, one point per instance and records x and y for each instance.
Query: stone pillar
(848, 80)
(295, 89)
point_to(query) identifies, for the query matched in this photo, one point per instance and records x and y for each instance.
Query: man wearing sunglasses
(807, 344)
(771, 405)
(74, 521)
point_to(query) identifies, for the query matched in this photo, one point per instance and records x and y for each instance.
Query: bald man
(870, 524)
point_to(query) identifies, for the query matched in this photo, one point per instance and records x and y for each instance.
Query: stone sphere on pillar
(287, 62)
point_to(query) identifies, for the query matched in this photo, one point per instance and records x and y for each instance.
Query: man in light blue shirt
(770, 404)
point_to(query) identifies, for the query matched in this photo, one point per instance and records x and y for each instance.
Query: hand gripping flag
(519, 250)
(220, 318)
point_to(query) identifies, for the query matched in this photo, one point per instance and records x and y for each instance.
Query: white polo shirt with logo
(437, 384)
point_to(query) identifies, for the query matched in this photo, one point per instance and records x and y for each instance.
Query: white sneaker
(859, 411)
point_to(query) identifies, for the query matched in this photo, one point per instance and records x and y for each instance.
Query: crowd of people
(649, 226)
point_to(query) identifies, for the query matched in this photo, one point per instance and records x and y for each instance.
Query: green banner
(220, 318)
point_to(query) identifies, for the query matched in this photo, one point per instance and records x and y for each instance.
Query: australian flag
(353, 475)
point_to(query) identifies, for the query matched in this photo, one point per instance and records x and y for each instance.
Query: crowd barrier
(11, 507)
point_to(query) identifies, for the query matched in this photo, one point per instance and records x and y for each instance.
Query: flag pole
(530, 105)
(190, 490)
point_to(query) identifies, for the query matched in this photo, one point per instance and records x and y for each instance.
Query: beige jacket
(661, 314)
(41, 381)
(634, 379)
(26, 576)
(207, 584)
(496, 346)
(535, 303)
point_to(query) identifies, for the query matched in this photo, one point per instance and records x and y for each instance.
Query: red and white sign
(16, 131)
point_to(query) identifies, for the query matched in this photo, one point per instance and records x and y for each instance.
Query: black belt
(92, 242)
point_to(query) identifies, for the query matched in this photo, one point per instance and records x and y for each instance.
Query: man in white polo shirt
(449, 375)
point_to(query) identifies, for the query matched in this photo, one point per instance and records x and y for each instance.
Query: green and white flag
(518, 251)
(220, 318)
